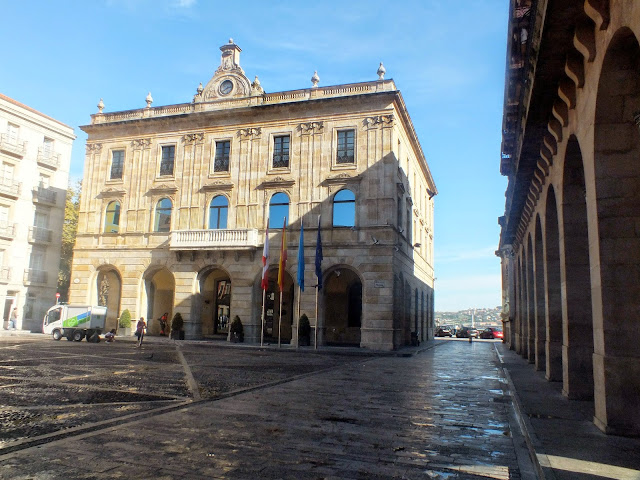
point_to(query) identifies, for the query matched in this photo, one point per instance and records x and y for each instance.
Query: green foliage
(69, 231)
(236, 329)
(125, 319)
(177, 323)
(304, 328)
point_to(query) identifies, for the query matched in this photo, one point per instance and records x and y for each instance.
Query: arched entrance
(108, 291)
(159, 289)
(343, 307)
(274, 326)
(215, 299)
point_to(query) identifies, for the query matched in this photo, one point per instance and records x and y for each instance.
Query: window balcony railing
(35, 276)
(223, 239)
(48, 158)
(7, 230)
(45, 195)
(10, 188)
(12, 145)
(40, 235)
(5, 274)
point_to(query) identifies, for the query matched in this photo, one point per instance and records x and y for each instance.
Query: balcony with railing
(32, 276)
(48, 158)
(9, 188)
(5, 274)
(44, 195)
(40, 235)
(12, 145)
(238, 239)
(7, 230)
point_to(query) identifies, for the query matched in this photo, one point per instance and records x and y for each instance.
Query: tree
(69, 231)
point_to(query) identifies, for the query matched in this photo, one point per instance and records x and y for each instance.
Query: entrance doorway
(274, 325)
(343, 308)
(215, 313)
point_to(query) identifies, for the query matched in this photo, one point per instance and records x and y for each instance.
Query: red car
(491, 332)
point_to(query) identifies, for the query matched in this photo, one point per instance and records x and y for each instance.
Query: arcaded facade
(35, 151)
(176, 199)
(570, 240)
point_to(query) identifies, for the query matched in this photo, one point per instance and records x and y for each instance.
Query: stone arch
(276, 327)
(554, 341)
(211, 307)
(158, 297)
(617, 182)
(577, 351)
(531, 306)
(343, 314)
(107, 291)
(540, 295)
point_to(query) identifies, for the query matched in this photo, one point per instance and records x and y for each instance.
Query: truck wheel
(57, 334)
(70, 335)
(78, 335)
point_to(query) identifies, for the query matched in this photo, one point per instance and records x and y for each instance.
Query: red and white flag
(265, 259)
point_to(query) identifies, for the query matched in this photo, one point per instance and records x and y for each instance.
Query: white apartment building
(35, 152)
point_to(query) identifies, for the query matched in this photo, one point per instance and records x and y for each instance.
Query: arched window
(163, 216)
(278, 210)
(344, 209)
(218, 212)
(112, 218)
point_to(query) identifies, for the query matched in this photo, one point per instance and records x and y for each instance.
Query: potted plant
(176, 327)
(236, 330)
(304, 331)
(124, 323)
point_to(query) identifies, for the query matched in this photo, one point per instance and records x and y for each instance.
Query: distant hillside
(480, 316)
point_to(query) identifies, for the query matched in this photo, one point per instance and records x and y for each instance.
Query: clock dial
(226, 87)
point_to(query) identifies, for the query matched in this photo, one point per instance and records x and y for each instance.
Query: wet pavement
(206, 410)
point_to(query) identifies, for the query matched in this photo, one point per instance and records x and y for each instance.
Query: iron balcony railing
(48, 158)
(218, 239)
(46, 195)
(40, 235)
(35, 276)
(12, 145)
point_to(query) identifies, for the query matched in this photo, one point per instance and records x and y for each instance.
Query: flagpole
(315, 333)
(264, 294)
(280, 320)
(298, 320)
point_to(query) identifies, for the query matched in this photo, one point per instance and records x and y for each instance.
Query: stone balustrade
(228, 239)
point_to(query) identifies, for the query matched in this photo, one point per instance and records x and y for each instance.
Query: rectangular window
(36, 262)
(281, 152)
(117, 162)
(47, 147)
(345, 153)
(13, 132)
(7, 174)
(221, 160)
(168, 157)
(41, 219)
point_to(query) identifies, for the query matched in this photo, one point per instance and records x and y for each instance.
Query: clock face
(226, 87)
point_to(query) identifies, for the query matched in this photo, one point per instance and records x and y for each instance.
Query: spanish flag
(283, 256)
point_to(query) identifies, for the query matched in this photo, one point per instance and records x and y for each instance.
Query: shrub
(177, 323)
(125, 319)
(236, 329)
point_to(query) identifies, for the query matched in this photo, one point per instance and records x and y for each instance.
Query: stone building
(570, 238)
(35, 151)
(176, 199)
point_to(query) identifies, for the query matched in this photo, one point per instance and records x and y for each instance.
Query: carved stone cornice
(163, 188)
(94, 148)
(342, 179)
(112, 193)
(140, 143)
(310, 128)
(193, 138)
(217, 185)
(278, 182)
(379, 120)
(249, 133)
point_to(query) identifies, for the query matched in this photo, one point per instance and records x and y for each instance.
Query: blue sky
(447, 58)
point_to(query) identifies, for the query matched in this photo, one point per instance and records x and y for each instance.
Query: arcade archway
(343, 307)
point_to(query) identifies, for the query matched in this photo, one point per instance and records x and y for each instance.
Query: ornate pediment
(278, 182)
(163, 188)
(229, 80)
(111, 192)
(217, 185)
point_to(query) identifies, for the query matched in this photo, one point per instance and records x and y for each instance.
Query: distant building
(35, 151)
(176, 200)
(570, 239)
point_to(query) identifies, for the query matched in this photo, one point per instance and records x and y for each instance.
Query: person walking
(140, 331)
(13, 319)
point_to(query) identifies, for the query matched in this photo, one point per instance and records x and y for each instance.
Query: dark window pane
(281, 152)
(221, 160)
(345, 146)
(117, 162)
(163, 216)
(218, 212)
(344, 209)
(278, 210)
(112, 218)
(168, 156)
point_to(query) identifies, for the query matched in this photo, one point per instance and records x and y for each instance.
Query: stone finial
(230, 41)
(200, 89)
(149, 100)
(256, 82)
(381, 71)
(100, 106)
(315, 79)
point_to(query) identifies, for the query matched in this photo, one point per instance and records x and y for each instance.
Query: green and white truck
(75, 322)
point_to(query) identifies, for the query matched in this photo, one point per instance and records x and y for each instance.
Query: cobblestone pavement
(441, 414)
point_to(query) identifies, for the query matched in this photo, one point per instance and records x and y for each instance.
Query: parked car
(444, 331)
(466, 332)
(491, 332)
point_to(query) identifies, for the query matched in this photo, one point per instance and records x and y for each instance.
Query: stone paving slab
(442, 414)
